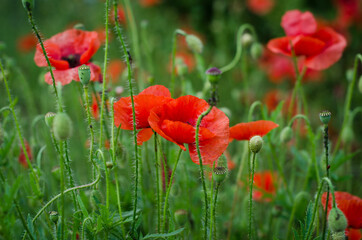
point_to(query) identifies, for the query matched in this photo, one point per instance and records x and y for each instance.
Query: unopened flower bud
(181, 66)
(286, 135)
(246, 39)
(213, 75)
(194, 43)
(62, 126)
(28, 4)
(54, 216)
(339, 236)
(337, 221)
(347, 134)
(84, 73)
(325, 116)
(256, 50)
(255, 144)
(79, 26)
(349, 75)
(181, 216)
(109, 164)
(49, 118)
(360, 84)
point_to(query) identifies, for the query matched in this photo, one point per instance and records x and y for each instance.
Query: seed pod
(194, 43)
(325, 116)
(84, 73)
(213, 75)
(255, 144)
(286, 135)
(54, 216)
(256, 50)
(49, 118)
(62, 126)
(337, 221)
(109, 164)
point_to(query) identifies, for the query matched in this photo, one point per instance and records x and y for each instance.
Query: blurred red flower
(144, 102)
(121, 16)
(260, 7)
(67, 51)
(348, 12)
(176, 122)
(245, 131)
(320, 47)
(22, 158)
(349, 204)
(187, 58)
(149, 3)
(353, 234)
(115, 69)
(264, 183)
(26, 43)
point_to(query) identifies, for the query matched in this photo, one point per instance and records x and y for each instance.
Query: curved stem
(169, 189)
(299, 196)
(202, 115)
(84, 222)
(173, 58)
(251, 183)
(252, 108)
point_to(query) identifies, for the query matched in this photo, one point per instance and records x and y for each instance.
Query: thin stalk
(202, 115)
(169, 189)
(251, 183)
(83, 226)
(157, 166)
(173, 58)
(70, 175)
(23, 220)
(99, 151)
(296, 89)
(214, 210)
(327, 173)
(62, 187)
(211, 201)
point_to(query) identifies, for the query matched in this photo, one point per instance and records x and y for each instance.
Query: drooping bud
(255, 144)
(54, 216)
(256, 50)
(62, 126)
(325, 116)
(194, 43)
(213, 75)
(360, 84)
(337, 221)
(181, 66)
(246, 39)
(84, 73)
(286, 134)
(28, 4)
(49, 118)
(109, 164)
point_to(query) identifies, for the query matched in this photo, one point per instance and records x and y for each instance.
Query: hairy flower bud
(256, 50)
(62, 126)
(255, 144)
(286, 135)
(49, 118)
(337, 221)
(194, 43)
(84, 73)
(325, 116)
(28, 4)
(109, 164)
(246, 39)
(54, 216)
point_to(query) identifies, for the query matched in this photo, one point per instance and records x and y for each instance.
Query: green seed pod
(339, 236)
(256, 50)
(246, 39)
(337, 221)
(54, 216)
(109, 164)
(255, 144)
(286, 134)
(219, 174)
(325, 116)
(84, 73)
(49, 118)
(213, 75)
(28, 4)
(347, 134)
(62, 126)
(194, 43)
(360, 84)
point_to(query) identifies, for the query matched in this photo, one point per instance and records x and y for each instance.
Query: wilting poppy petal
(264, 183)
(245, 131)
(144, 135)
(295, 22)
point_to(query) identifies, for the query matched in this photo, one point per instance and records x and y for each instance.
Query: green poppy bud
(62, 126)
(347, 134)
(360, 84)
(181, 217)
(84, 73)
(286, 135)
(256, 50)
(213, 75)
(181, 66)
(49, 118)
(337, 221)
(349, 75)
(28, 4)
(79, 26)
(54, 216)
(109, 164)
(194, 43)
(325, 116)
(246, 39)
(255, 144)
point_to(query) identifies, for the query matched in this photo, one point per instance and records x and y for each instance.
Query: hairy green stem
(296, 88)
(211, 201)
(173, 58)
(214, 210)
(62, 187)
(251, 181)
(157, 166)
(23, 220)
(325, 142)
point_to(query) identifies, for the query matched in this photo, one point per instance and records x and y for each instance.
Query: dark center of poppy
(73, 60)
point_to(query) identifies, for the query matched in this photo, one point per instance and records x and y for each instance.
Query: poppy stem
(62, 187)
(325, 142)
(212, 202)
(296, 88)
(169, 189)
(157, 166)
(202, 115)
(23, 220)
(214, 210)
(251, 183)
(173, 58)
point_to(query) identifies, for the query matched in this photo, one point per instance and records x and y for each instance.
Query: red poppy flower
(264, 183)
(353, 234)
(260, 7)
(22, 158)
(176, 122)
(144, 102)
(27, 43)
(320, 47)
(67, 51)
(187, 58)
(348, 12)
(349, 204)
(115, 69)
(149, 3)
(245, 131)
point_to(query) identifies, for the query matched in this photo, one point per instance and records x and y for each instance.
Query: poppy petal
(295, 22)
(307, 46)
(245, 131)
(156, 90)
(280, 45)
(54, 56)
(144, 135)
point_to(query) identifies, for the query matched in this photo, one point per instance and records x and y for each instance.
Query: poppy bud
(28, 4)
(194, 43)
(339, 236)
(109, 164)
(54, 216)
(349, 75)
(49, 118)
(62, 126)
(246, 39)
(213, 75)
(347, 134)
(255, 144)
(84, 73)
(286, 135)
(181, 217)
(337, 221)
(360, 84)
(181, 67)
(325, 116)
(79, 26)
(256, 50)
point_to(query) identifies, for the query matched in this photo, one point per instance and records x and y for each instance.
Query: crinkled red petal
(144, 135)
(295, 22)
(245, 131)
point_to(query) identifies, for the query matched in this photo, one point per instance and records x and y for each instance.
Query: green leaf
(163, 235)
(82, 207)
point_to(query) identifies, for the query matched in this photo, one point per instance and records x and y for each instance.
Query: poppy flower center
(73, 60)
